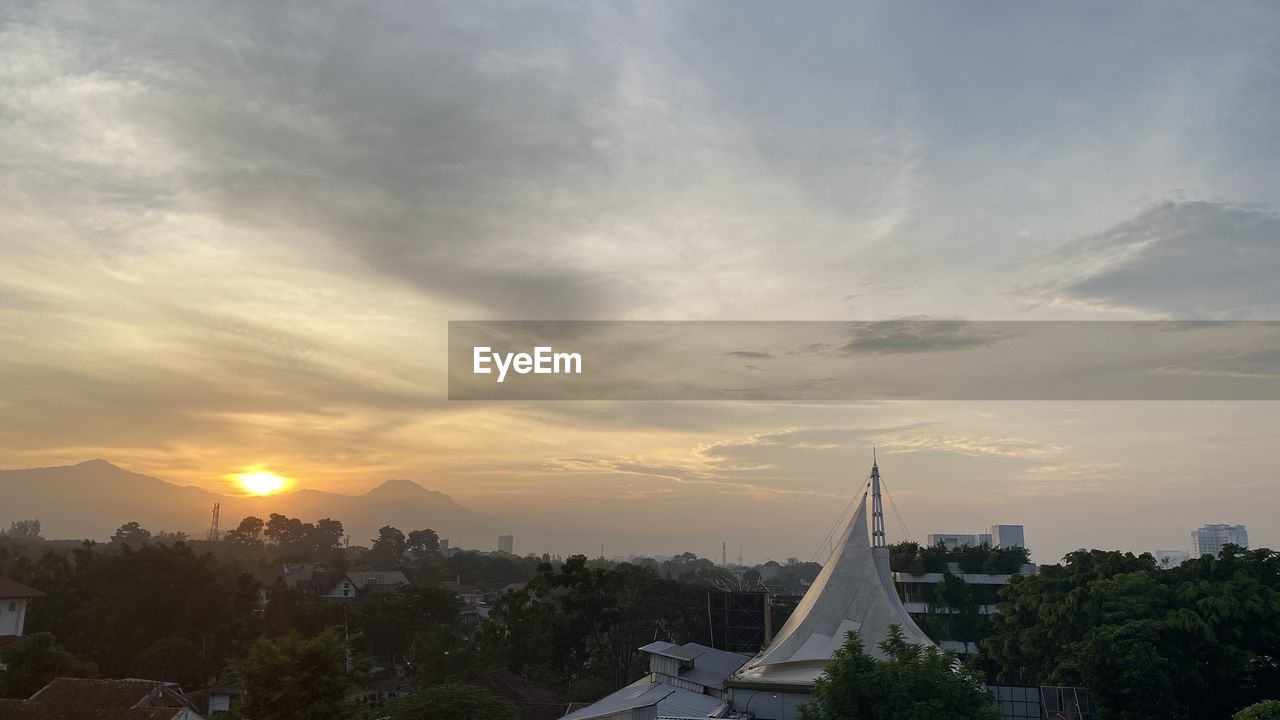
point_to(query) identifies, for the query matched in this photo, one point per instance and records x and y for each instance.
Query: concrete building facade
(1210, 539)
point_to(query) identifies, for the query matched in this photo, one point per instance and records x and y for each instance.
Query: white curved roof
(854, 591)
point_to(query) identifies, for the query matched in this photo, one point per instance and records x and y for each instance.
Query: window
(13, 607)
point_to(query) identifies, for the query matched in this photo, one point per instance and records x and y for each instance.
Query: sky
(232, 234)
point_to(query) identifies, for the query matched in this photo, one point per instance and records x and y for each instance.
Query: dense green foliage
(111, 605)
(447, 702)
(1265, 710)
(954, 604)
(296, 678)
(1198, 641)
(912, 683)
(1201, 640)
(160, 606)
(577, 628)
(920, 559)
(31, 663)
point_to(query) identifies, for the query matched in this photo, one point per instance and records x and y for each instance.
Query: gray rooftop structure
(645, 699)
(697, 665)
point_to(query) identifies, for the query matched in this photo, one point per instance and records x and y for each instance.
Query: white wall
(13, 614)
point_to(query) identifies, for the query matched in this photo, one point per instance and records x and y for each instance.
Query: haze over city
(230, 241)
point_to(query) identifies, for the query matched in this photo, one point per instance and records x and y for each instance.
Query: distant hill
(92, 499)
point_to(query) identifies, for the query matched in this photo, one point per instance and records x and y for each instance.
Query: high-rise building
(444, 547)
(1210, 539)
(1007, 536)
(507, 544)
(1166, 559)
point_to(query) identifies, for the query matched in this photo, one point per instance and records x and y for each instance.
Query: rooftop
(13, 589)
(80, 699)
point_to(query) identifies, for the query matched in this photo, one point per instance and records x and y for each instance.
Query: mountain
(93, 498)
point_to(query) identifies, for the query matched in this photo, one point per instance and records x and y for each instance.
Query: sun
(261, 482)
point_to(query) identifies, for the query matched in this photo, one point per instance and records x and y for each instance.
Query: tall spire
(854, 591)
(877, 510)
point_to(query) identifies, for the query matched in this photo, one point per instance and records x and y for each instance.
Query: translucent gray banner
(860, 361)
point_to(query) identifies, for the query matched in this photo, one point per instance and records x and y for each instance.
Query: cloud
(917, 335)
(1186, 260)
(749, 355)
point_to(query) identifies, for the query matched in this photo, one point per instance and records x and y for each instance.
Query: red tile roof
(77, 699)
(12, 589)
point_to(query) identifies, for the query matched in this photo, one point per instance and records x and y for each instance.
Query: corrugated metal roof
(672, 703)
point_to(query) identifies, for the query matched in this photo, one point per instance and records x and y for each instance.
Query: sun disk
(261, 482)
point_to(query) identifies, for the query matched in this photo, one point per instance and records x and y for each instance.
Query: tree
(326, 537)
(172, 659)
(291, 678)
(131, 534)
(388, 549)
(449, 702)
(165, 537)
(111, 606)
(423, 542)
(33, 662)
(286, 533)
(1265, 710)
(248, 532)
(913, 683)
(1198, 641)
(23, 530)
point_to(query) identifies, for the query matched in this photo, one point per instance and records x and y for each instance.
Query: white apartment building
(1210, 539)
(997, 536)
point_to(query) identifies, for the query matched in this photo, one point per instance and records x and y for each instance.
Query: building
(1007, 536)
(997, 536)
(854, 591)
(354, 584)
(1210, 539)
(78, 699)
(221, 696)
(741, 620)
(14, 597)
(311, 579)
(507, 544)
(951, 541)
(917, 593)
(1166, 559)
(684, 682)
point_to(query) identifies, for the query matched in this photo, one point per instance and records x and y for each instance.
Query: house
(307, 578)
(474, 608)
(354, 584)
(13, 608)
(684, 682)
(224, 693)
(78, 699)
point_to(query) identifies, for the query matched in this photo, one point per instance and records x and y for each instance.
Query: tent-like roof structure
(854, 591)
